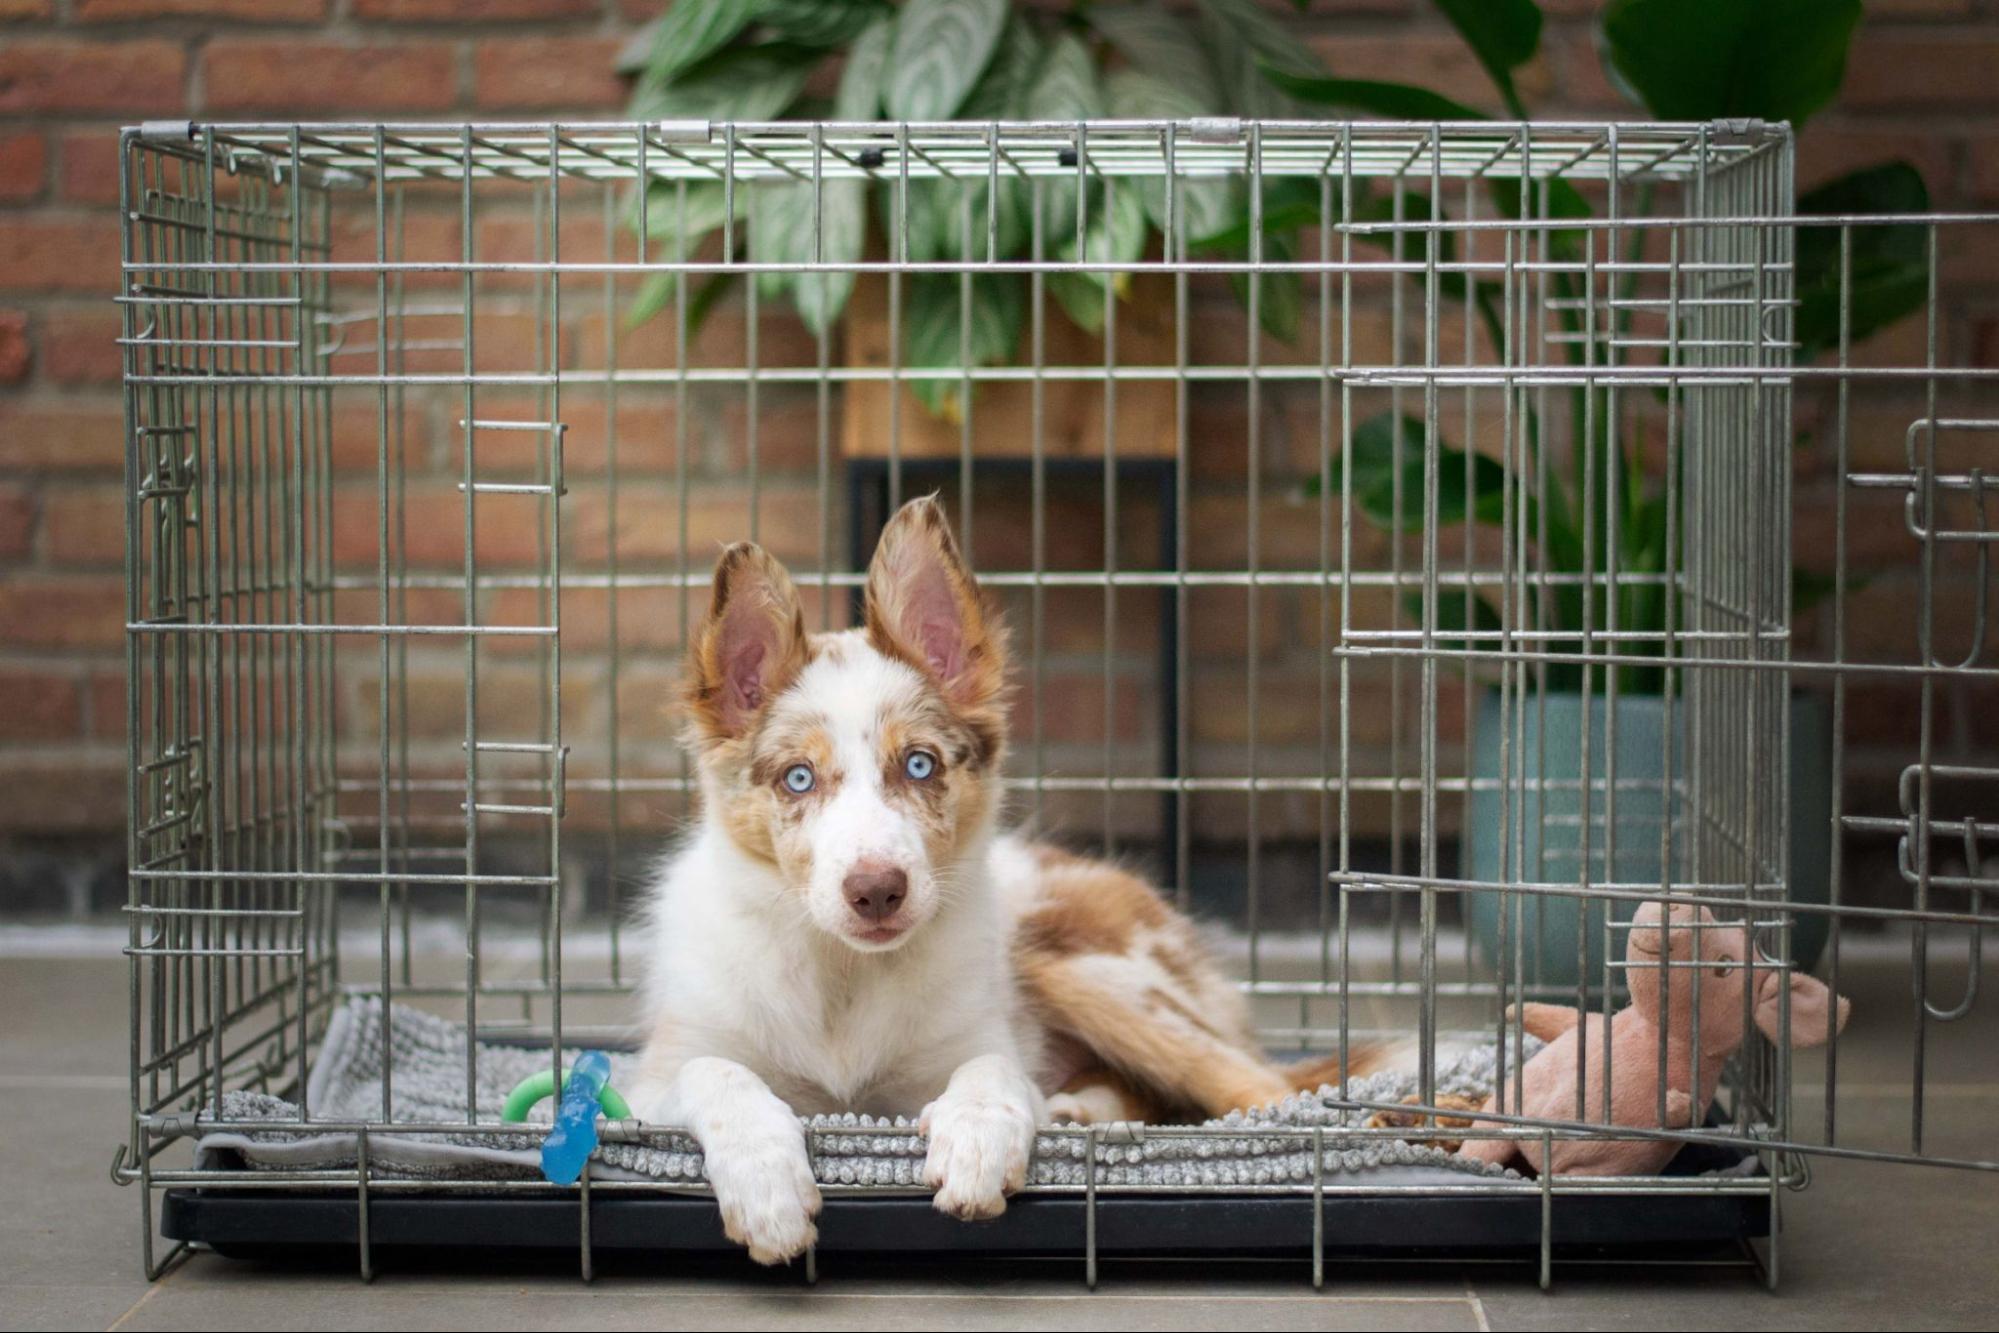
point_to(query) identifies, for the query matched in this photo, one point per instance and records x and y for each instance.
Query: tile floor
(1867, 1246)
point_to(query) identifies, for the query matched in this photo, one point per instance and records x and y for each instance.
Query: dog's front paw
(978, 1155)
(767, 1195)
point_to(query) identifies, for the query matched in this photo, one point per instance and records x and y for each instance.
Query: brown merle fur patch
(751, 645)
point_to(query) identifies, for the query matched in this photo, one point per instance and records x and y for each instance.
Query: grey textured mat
(428, 1080)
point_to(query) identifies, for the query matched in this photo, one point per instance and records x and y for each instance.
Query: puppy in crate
(849, 927)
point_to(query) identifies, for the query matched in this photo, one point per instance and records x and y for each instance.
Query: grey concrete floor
(1867, 1246)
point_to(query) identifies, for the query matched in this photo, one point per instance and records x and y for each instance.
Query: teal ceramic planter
(1549, 836)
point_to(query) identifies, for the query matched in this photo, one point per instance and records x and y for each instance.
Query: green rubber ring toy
(539, 1086)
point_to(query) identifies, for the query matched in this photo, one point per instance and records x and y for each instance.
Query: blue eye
(798, 779)
(920, 764)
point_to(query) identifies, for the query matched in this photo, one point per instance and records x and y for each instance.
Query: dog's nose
(874, 892)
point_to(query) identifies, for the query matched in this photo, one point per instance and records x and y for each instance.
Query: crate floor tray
(268, 1225)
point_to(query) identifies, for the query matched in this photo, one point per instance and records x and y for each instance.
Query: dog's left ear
(924, 607)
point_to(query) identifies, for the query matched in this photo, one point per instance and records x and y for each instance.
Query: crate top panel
(354, 154)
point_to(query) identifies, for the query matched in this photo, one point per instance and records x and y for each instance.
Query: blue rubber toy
(586, 1091)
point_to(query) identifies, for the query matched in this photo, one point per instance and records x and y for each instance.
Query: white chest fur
(735, 969)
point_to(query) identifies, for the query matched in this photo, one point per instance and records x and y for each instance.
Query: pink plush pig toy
(1548, 1081)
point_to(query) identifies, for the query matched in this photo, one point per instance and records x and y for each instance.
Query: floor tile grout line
(152, 1290)
(1477, 1308)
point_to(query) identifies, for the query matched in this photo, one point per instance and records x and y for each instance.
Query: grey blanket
(427, 1057)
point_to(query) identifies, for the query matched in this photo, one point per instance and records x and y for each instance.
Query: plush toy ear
(924, 607)
(750, 646)
(1812, 1004)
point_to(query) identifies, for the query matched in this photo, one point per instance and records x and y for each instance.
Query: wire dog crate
(1346, 634)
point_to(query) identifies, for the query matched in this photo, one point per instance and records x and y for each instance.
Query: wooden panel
(1002, 415)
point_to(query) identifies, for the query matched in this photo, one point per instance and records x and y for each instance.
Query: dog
(847, 928)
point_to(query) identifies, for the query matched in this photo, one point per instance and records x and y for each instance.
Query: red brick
(265, 74)
(81, 346)
(511, 698)
(1583, 81)
(1833, 148)
(104, 694)
(1073, 709)
(24, 160)
(717, 513)
(17, 521)
(13, 11)
(84, 528)
(645, 436)
(357, 428)
(62, 437)
(78, 791)
(62, 75)
(41, 705)
(470, 11)
(14, 349)
(87, 169)
(1892, 68)
(68, 611)
(541, 73)
(256, 11)
(516, 236)
(53, 253)
(436, 527)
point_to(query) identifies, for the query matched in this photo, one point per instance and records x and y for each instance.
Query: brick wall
(1924, 84)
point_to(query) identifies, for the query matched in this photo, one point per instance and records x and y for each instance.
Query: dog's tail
(1362, 1058)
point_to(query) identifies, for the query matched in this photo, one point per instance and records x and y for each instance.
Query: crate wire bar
(389, 415)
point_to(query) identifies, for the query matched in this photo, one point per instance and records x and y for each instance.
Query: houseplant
(972, 60)
(1678, 60)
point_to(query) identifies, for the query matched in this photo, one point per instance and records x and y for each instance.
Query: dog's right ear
(751, 645)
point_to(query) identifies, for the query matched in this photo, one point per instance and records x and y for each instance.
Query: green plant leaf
(1263, 37)
(1890, 267)
(1133, 94)
(1160, 48)
(742, 83)
(1002, 92)
(933, 331)
(1372, 458)
(636, 53)
(859, 95)
(1811, 587)
(939, 208)
(1390, 101)
(1115, 234)
(1066, 88)
(1710, 59)
(1288, 203)
(657, 291)
(822, 22)
(1280, 296)
(1484, 621)
(677, 229)
(1279, 215)
(1243, 40)
(781, 217)
(1207, 204)
(941, 49)
(1416, 207)
(1503, 34)
(1563, 201)
(688, 33)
